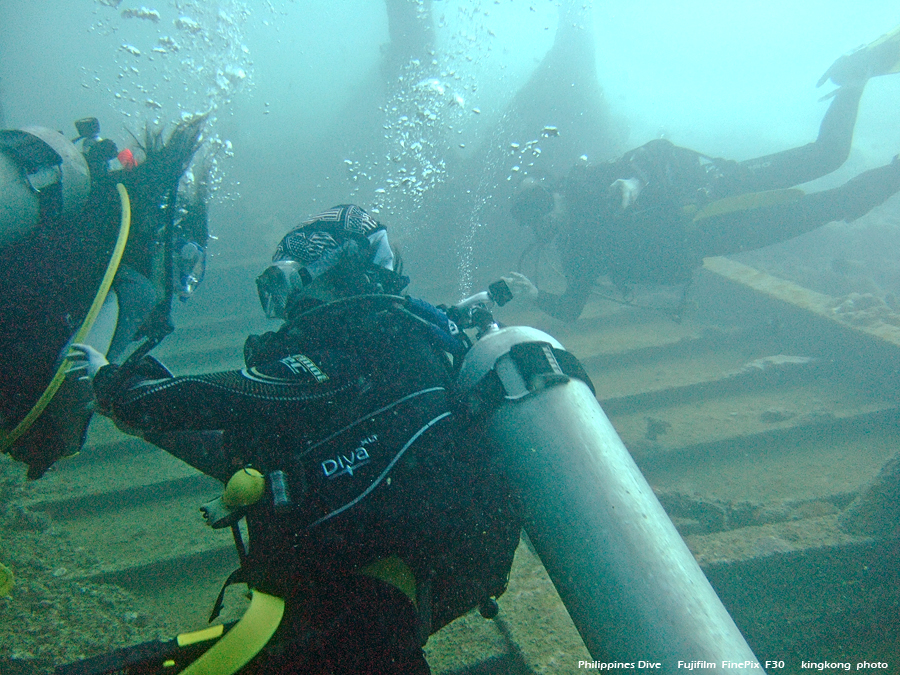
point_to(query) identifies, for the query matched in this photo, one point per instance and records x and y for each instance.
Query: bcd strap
(40, 165)
(526, 368)
(238, 576)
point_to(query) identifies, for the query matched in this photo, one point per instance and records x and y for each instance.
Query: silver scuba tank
(19, 207)
(632, 587)
(24, 176)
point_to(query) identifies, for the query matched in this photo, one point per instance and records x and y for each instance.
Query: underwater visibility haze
(760, 401)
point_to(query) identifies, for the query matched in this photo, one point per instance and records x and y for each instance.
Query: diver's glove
(520, 286)
(87, 359)
(628, 188)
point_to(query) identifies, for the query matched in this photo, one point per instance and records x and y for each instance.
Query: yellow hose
(244, 641)
(7, 441)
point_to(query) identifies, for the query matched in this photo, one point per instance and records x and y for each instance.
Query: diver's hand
(628, 188)
(85, 358)
(520, 286)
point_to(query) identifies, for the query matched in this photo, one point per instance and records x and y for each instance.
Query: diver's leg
(755, 228)
(807, 162)
(857, 196)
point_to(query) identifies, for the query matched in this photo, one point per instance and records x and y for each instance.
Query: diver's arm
(564, 306)
(214, 401)
(569, 305)
(203, 450)
(142, 406)
(581, 264)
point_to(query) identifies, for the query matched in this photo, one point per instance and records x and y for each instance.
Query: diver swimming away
(651, 216)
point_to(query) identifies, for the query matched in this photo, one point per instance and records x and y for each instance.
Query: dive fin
(879, 57)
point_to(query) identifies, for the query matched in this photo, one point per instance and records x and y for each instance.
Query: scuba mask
(190, 267)
(277, 286)
(345, 247)
(284, 283)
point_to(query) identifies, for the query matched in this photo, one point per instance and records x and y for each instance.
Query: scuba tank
(19, 209)
(42, 173)
(632, 587)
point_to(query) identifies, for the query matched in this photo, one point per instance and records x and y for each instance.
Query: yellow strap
(202, 635)
(86, 325)
(747, 202)
(244, 640)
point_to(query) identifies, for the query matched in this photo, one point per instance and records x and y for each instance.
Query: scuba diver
(93, 245)
(375, 518)
(651, 216)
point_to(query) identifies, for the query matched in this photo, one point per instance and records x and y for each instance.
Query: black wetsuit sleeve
(215, 401)
(568, 305)
(203, 450)
(580, 270)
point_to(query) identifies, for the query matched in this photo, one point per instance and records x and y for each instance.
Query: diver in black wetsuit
(61, 213)
(652, 215)
(392, 525)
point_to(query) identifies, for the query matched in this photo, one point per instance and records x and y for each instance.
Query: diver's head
(87, 127)
(336, 254)
(532, 202)
(535, 206)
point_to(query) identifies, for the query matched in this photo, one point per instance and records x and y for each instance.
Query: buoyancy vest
(388, 473)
